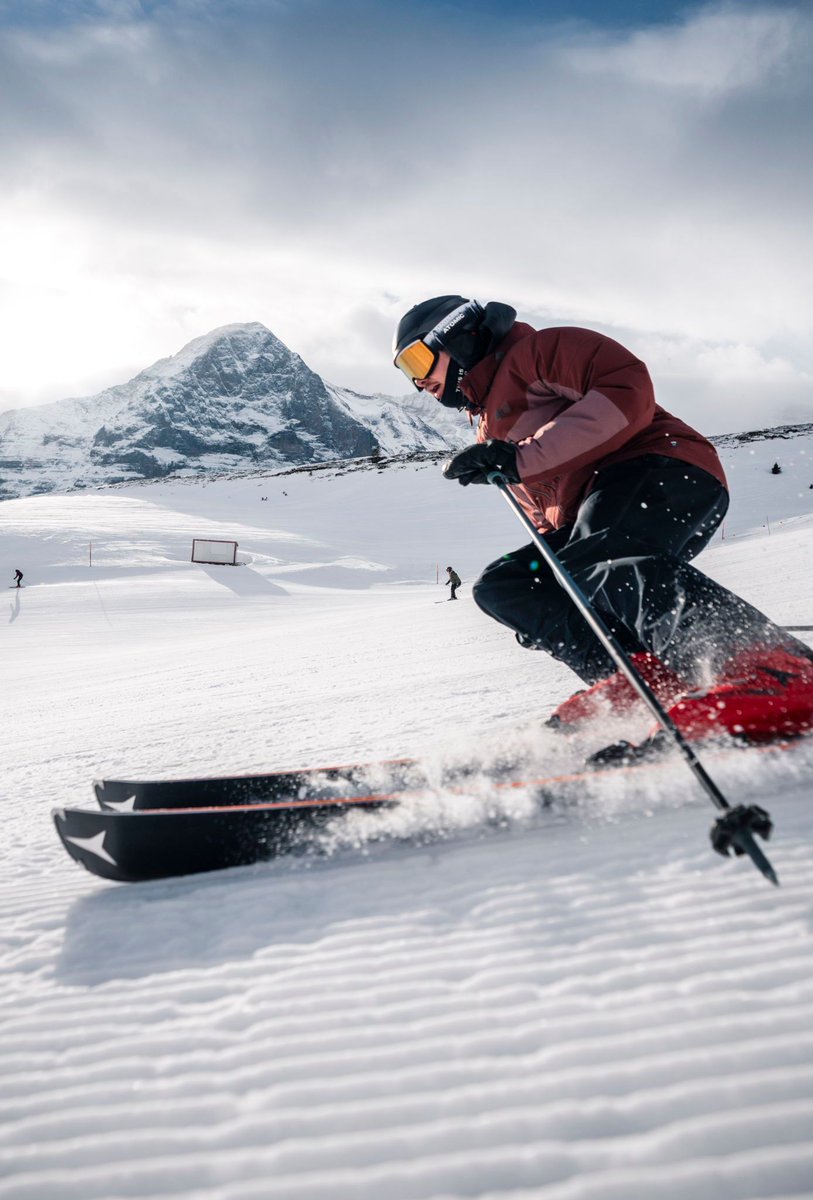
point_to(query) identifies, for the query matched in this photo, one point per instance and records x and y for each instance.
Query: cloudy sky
(170, 166)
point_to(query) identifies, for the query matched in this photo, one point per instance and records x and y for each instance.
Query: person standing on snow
(18, 576)
(454, 580)
(626, 495)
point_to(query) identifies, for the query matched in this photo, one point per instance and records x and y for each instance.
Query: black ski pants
(629, 550)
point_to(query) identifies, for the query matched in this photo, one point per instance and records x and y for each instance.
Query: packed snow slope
(467, 997)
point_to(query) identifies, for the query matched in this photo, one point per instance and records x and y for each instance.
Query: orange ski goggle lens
(416, 360)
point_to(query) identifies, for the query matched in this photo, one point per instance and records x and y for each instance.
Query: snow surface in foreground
(579, 1004)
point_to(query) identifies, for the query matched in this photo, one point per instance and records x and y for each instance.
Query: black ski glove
(475, 463)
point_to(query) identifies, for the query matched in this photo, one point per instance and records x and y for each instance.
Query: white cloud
(720, 50)
(725, 386)
(738, 361)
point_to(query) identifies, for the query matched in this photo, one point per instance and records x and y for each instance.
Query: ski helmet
(459, 326)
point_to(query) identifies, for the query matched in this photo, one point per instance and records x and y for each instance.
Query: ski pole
(735, 829)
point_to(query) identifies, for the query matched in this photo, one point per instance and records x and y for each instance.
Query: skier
(18, 576)
(454, 580)
(626, 494)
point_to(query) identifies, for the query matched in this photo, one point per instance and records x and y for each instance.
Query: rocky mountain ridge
(783, 433)
(234, 399)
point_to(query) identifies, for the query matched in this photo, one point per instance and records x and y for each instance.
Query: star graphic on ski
(94, 845)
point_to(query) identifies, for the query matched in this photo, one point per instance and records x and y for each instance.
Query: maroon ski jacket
(574, 402)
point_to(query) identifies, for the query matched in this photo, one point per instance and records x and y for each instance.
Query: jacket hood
(497, 321)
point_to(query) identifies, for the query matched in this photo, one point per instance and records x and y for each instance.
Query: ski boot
(763, 694)
(615, 695)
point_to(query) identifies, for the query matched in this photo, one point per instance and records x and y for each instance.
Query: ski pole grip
(497, 478)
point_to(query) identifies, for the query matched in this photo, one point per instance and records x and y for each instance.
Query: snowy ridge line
(577, 1111)
(517, 1121)
(645, 1090)
(776, 432)
(309, 1036)
(478, 1044)
(414, 1003)
(645, 1108)
(413, 1173)
(330, 467)
(552, 967)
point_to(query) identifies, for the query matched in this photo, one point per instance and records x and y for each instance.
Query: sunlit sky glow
(320, 165)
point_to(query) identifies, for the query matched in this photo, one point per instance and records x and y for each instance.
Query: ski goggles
(416, 360)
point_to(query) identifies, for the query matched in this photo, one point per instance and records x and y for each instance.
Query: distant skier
(454, 580)
(18, 576)
(626, 494)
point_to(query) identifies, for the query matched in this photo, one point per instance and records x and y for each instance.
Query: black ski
(329, 783)
(131, 847)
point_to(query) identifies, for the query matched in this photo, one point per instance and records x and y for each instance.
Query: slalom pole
(735, 829)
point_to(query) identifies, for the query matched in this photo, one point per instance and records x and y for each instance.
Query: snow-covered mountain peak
(243, 344)
(235, 398)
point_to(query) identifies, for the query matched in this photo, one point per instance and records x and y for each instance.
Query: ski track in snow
(580, 1004)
